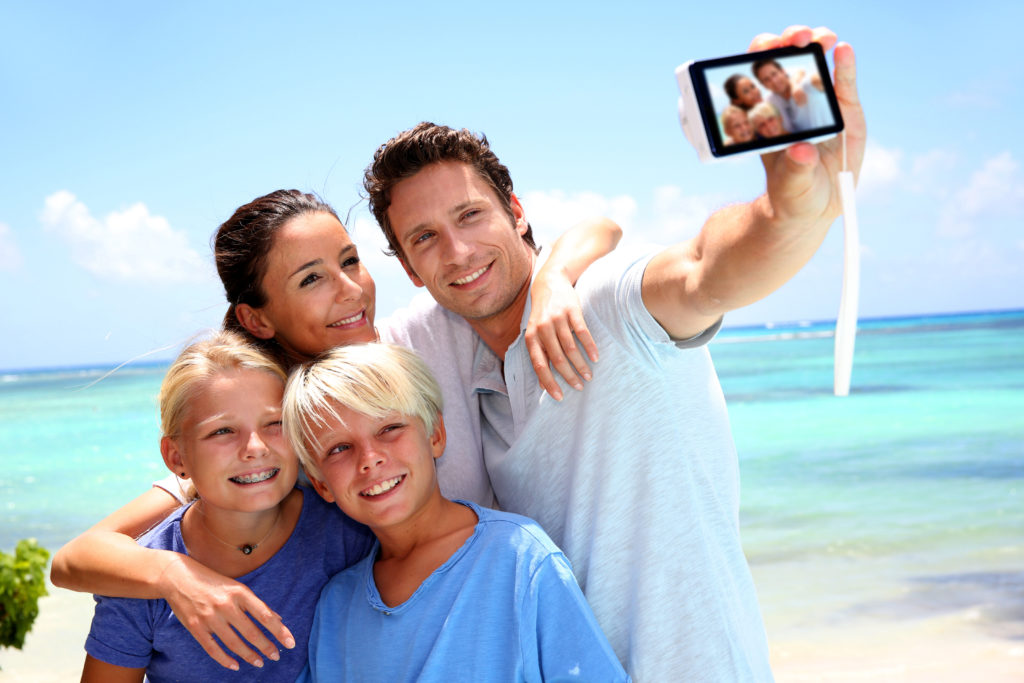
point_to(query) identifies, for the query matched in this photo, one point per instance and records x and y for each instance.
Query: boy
(451, 589)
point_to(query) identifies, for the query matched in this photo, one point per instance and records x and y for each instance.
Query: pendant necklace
(248, 547)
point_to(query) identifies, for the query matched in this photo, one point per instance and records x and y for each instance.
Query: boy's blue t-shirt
(504, 607)
(145, 633)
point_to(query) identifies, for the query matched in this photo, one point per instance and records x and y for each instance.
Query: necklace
(248, 547)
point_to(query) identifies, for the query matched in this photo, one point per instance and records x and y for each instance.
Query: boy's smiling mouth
(382, 487)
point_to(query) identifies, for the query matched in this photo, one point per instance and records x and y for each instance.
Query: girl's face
(738, 127)
(319, 295)
(231, 444)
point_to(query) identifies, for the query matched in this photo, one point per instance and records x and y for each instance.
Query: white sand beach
(946, 649)
(54, 648)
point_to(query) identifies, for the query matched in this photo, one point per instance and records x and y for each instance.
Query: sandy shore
(948, 649)
(54, 648)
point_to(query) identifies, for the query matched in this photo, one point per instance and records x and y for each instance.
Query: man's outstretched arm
(745, 252)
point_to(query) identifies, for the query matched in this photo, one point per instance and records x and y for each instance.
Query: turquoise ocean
(898, 502)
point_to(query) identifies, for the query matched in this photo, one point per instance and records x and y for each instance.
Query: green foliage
(22, 583)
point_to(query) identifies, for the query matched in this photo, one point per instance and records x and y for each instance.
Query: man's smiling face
(458, 241)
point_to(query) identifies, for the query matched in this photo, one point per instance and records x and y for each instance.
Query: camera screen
(765, 99)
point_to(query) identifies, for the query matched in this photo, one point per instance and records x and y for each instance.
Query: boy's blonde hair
(371, 379)
(196, 364)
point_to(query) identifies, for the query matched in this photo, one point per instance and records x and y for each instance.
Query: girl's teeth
(254, 478)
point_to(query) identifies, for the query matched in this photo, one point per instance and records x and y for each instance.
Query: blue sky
(131, 130)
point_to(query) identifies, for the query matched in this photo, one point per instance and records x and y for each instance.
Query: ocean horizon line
(766, 331)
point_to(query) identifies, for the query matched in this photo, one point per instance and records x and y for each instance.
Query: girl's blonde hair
(371, 379)
(196, 364)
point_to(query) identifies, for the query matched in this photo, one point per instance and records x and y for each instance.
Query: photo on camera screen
(766, 99)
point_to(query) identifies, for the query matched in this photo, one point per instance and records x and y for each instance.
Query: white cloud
(679, 216)
(882, 168)
(977, 96)
(553, 212)
(128, 246)
(995, 191)
(930, 172)
(997, 187)
(933, 161)
(10, 255)
(672, 217)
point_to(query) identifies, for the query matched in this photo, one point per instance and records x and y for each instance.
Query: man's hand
(745, 252)
(802, 184)
(209, 605)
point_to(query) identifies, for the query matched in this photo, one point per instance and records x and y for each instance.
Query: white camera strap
(846, 321)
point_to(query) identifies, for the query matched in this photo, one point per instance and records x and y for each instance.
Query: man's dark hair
(756, 68)
(406, 154)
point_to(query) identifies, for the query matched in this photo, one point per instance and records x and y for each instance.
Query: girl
(220, 409)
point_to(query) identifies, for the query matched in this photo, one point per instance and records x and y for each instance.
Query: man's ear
(172, 457)
(321, 488)
(410, 272)
(438, 438)
(519, 214)
(253, 320)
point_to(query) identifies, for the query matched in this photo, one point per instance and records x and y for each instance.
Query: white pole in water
(846, 322)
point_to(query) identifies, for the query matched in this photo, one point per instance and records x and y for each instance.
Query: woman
(742, 91)
(220, 410)
(294, 282)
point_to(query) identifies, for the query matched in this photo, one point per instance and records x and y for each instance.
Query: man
(799, 98)
(635, 477)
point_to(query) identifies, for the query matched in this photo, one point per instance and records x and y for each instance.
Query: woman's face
(747, 93)
(319, 295)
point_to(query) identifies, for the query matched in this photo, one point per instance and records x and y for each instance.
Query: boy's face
(379, 471)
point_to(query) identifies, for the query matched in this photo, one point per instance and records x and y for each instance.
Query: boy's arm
(97, 671)
(745, 252)
(106, 560)
(555, 312)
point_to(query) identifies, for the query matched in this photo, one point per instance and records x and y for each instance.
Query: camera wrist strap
(846, 321)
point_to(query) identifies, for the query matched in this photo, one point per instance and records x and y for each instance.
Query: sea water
(907, 495)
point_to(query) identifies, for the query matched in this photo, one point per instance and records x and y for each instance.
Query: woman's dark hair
(731, 84)
(242, 244)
